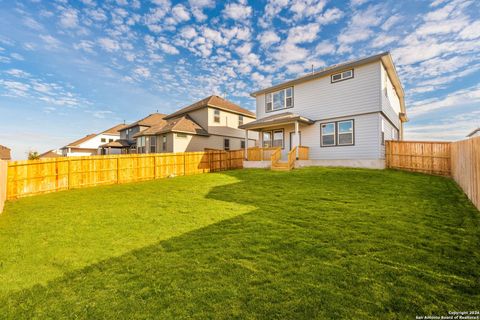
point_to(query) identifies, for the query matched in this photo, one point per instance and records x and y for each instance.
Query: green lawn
(245, 244)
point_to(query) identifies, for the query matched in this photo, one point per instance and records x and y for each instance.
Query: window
(226, 144)
(110, 140)
(242, 144)
(342, 76)
(345, 133)
(278, 138)
(339, 133)
(281, 99)
(328, 134)
(267, 139)
(383, 133)
(240, 120)
(216, 115)
(103, 140)
(181, 135)
(394, 134)
(153, 144)
(164, 143)
(141, 145)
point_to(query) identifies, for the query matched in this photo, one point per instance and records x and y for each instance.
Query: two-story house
(127, 142)
(88, 145)
(343, 113)
(211, 123)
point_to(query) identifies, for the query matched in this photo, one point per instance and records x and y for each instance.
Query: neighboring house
(89, 145)
(5, 153)
(343, 113)
(127, 142)
(211, 123)
(474, 133)
(51, 154)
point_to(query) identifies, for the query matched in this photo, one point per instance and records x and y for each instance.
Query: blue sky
(69, 68)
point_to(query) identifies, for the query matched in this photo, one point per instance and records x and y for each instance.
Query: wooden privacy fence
(466, 167)
(459, 160)
(26, 178)
(419, 156)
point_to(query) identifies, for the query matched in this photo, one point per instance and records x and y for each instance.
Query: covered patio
(280, 140)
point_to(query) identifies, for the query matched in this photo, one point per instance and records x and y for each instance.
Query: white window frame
(181, 135)
(240, 120)
(269, 140)
(269, 98)
(164, 142)
(216, 116)
(343, 76)
(330, 134)
(283, 138)
(339, 133)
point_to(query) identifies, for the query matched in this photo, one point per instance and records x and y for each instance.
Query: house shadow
(283, 260)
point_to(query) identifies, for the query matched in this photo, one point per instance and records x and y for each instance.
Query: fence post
(154, 166)
(69, 173)
(3, 183)
(184, 166)
(118, 169)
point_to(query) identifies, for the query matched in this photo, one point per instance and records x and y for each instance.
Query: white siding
(388, 129)
(321, 99)
(390, 99)
(366, 136)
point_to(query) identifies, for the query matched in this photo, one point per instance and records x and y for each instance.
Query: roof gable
(148, 121)
(214, 102)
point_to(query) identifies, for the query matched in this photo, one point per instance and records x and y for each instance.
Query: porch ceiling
(276, 120)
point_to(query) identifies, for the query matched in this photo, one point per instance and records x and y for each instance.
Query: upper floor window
(216, 115)
(278, 100)
(103, 140)
(240, 120)
(342, 75)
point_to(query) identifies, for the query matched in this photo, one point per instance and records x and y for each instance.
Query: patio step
(280, 166)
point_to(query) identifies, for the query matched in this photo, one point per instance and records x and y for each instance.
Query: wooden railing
(303, 152)
(276, 155)
(260, 154)
(292, 156)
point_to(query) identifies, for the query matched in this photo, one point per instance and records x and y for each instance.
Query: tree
(33, 155)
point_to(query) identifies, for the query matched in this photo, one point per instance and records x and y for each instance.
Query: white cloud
(237, 11)
(390, 22)
(188, 32)
(180, 13)
(50, 42)
(84, 45)
(303, 34)
(69, 18)
(360, 26)
(168, 48)
(463, 97)
(108, 44)
(197, 7)
(142, 72)
(382, 40)
(325, 47)
(244, 49)
(330, 16)
(306, 8)
(32, 23)
(267, 38)
(18, 73)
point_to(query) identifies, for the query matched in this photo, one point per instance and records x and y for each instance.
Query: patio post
(297, 138)
(246, 144)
